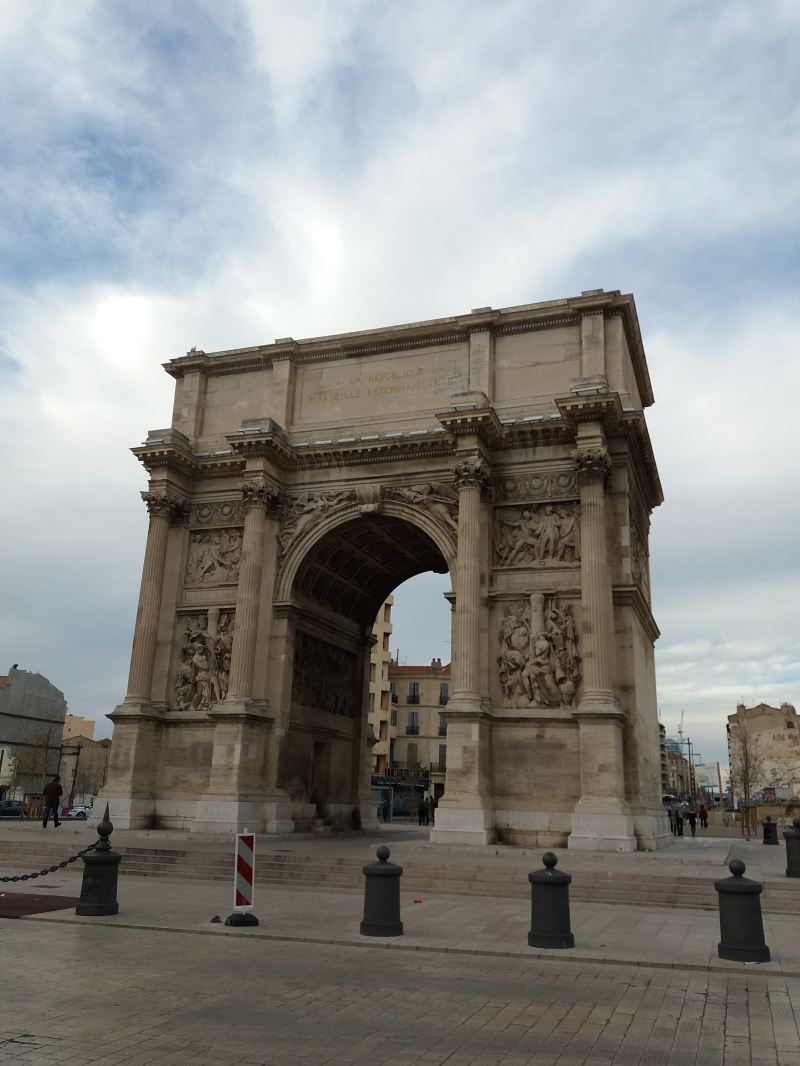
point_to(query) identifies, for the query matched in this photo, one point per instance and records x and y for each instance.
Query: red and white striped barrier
(243, 880)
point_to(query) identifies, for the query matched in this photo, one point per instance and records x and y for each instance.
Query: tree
(747, 764)
(32, 763)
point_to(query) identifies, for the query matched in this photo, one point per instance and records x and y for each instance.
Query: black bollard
(382, 897)
(550, 926)
(792, 838)
(740, 924)
(100, 869)
(770, 831)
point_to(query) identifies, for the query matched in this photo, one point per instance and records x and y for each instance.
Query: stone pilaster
(465, 814)
(258, 497)
(131, 785)
(162, 508)
(601, 820)
(237, 788)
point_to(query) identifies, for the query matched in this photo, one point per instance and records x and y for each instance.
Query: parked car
(11, 809)
(79, 812)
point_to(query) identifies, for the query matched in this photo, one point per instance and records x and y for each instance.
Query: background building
(83, 769)
(77, 726)
(421, 745)
(32, 712)
(380, 713)
(764, 752)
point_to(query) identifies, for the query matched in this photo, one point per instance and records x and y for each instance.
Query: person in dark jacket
(52, 795)
(691, 818)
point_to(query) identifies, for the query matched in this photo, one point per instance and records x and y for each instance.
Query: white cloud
(265, 169)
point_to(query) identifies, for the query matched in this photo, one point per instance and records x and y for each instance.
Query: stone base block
(652, 832)
(532, 829)
(223, 815)
(278, 817)
(602, 832)
(124, 812)
(463, 825)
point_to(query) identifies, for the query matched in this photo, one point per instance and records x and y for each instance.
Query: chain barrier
(49, 869)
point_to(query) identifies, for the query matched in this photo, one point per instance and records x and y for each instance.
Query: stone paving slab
(93, 994)
(604, 933)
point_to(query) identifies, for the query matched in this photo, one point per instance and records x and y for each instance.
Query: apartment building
(419, 695)
(380, 712)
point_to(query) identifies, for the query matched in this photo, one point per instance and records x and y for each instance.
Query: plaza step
(505, 879)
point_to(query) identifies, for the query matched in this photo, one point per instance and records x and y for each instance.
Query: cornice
(632, 596)
(633, 428)
(550, 314)
(605, 408)
(468, 419)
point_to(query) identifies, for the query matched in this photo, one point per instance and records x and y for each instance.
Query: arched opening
(337, 589)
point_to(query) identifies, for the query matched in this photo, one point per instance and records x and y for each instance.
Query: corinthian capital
(165, 505)
(259, 494)
(471, 472)
(592, 462)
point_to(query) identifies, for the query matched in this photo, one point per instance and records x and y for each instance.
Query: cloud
(258, 169)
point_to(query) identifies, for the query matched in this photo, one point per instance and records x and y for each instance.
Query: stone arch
(416, 517)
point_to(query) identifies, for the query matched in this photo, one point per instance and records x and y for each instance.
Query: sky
(222, 174)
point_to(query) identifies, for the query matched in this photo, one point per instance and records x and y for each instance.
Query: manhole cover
(21, 904)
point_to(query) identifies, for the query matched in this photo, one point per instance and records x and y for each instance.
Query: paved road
(109, 996)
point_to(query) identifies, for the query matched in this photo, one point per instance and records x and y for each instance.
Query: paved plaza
(160, 983)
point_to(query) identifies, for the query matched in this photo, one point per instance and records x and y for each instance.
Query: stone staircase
(213, 861)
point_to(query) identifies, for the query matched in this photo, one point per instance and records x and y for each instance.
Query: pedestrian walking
(671, 816)
(434, 805)
(678, 822)
(691, 818)
(51, 794)
(421, 812)
(703, 816)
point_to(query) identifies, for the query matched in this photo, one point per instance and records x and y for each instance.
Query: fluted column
(597, 605)
(600, 820)
(258, 497)
(471, 477)
(162, 508)
(465, 813)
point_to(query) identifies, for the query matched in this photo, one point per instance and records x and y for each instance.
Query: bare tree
(747, 765)
(31, 763)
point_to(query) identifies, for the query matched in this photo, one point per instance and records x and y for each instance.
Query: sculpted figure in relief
(303, 510)
(214, 557)
(539, 535)
(438, 498)
(324, 676)
(204, 669)
(538, 663)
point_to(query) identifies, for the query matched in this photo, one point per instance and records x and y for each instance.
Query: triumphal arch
(301, 481)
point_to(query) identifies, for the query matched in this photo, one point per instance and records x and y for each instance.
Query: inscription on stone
(419, 380)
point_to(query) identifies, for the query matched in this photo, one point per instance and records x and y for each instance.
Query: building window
(411, 756)
(444, 693)
(442, 756)
(442, 726)
(384, 728)
(393, 690)
(384, 701)
(413, 692)
(394, 716)
(385, 641)
(372, 671)
(412, 727)
(387, 612)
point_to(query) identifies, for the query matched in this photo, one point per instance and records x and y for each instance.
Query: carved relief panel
(537, 535)
(436, 497)
(205, 641)
(324, 676)
(300, 511)
(539, 663)
(214, 557)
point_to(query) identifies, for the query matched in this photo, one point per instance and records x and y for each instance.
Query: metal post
(100, 870)
(382, 897)
(550, 925)
(792, 838)
(740, 923)
(770, 831)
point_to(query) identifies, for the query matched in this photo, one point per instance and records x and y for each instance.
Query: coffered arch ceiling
(355, 566)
